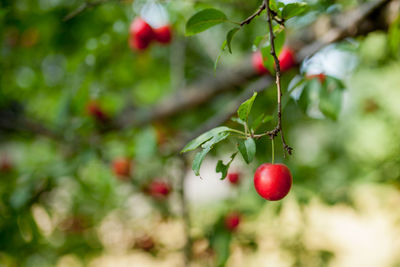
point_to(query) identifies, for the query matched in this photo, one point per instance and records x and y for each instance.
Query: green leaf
(203, 20)
(229, 38)
(268, 60)
(394, 36)
(238, 121)
(279, 41)
(260, 120)
(220, 242)
(258, 40)
(219, 56)
(248, 149)
(330, 102)
(195, 143)
(294, 9)
(207, 146)
(334, 83)
(310, 94)
(223, 168)
(245, 108)
(273, 5)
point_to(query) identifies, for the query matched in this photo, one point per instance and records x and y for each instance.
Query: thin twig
(278, 128)
(82, 8)
(258, 12)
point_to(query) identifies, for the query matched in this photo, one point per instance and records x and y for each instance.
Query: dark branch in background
(12, 120)
(278, 128)
(188, 98)
(83, 7)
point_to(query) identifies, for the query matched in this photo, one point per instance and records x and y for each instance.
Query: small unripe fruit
(258, 64)
(286, 59)
(159, 189)
(272, 181)
(122, 167)
(320, 76)
(163, 34)
(94, 110)
(233, 178)
(140, 34)
(232, 221)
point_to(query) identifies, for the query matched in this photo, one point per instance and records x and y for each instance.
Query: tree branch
(83, 7)
(278, 128)
(258, 12)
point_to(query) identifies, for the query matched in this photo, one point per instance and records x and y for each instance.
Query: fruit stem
(273, 150)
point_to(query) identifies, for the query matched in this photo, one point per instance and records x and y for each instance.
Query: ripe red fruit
(122, 167)
(94, 110)
(320, 76)
(141, 34)
(163, 34)
(233, 178)
(232, 221)
(159, 189)
(272, 181)
(286, 59)
(258, 65)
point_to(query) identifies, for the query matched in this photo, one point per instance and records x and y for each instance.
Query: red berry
(320, 76)
(122, 167)
(233, 177)
(94, 110)
(145, 242)
(232, 221)
(5, 165)
(159, 189)
(272, 181)
(286, 59)
(163, 34)
(258, 63)
(141, 34)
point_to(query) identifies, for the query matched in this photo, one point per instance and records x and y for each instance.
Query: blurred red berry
(286, 59)
(94, 110)
(233, 178)
(5, 164)
(232, 221)
(144, 242)
(140, 34)
(159, 189)
(163, 34)
(122, 167)
(258, 64)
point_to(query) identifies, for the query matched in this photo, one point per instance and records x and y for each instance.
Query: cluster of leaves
(210, 17)
(245, 141)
